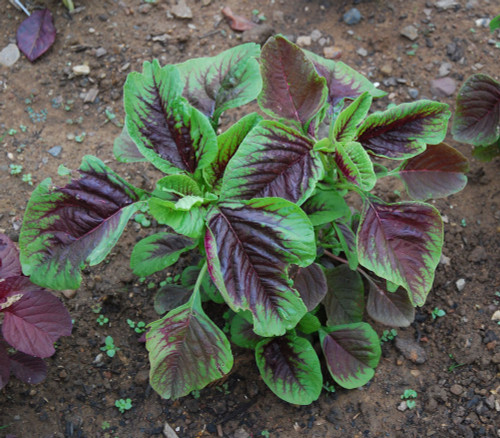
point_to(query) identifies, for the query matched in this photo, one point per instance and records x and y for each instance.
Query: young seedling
(101, 320)
(27, 178)
(262, 205)
(140, 327)
(388, 335)
(409, 395)
(109, 346)
(437, 313)
(123, 404)
(105, 425)
(15, 169)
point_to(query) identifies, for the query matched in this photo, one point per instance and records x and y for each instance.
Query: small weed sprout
(123, 404)
(105, 425)
(329, 387)
(27, 178)
(15, 169)
(388, 335)
(109, 346)
(101, 320)
(437, 313)
(139, 327)
(409, 395)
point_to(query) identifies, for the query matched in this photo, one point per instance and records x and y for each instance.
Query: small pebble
(9, 55)
(443, 86)
(55, 151)
(460, 284)
(352, 16)
(456, 389)
(81, 70)
(304, 41)
(315, 35)
(402, 406)
(413, 93)
(362, 52)
(410, 32)
(69, 293)
(100, 52)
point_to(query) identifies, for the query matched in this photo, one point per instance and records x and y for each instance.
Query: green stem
(197, 285)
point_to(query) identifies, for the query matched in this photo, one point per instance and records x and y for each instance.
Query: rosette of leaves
(33, 319)
(263, 202)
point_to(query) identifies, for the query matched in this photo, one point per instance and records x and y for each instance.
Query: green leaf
(187, 351)
(352, 351)
(309, 324)
(346, 125)
(344, 302)
(186, 220)
(228, 143)
(355, 165)
(325, 206)
(495, 24)
(242, 333)
(169, 132)
(181, 185)
(156, 252)
(229, 80)
(125, 150)
(290, 367)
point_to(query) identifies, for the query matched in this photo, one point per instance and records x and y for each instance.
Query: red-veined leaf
(242, 333)
(27, 368)
(352, 351)
(249, 247)
(436, 173)
(290, 367)
(273, 161)
(355, 165)
(402, 243)
(292, 89)
(404, 131)
(477, 116)
(79, 223)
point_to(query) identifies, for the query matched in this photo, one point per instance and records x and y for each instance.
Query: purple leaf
(352, 351)
(291, 368)
(170, 133)
(242, 333)
(273, 161)
(401, 243)
(65, 227)
(4, 366)
(36, 34)
(347, 238)
(291, 87)
(404, 131)
(477, 116)
(390, 308)
(249, 247)
(310, 283)
(34, 321)
(187, 351)
(9, 258)
(27, 368)
(436, 173)
(342, 81)
(344, 302)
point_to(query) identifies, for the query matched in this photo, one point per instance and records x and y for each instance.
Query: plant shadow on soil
(457, 383)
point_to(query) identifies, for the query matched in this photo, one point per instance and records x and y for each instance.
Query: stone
(456, 389)
(55, 151)
(402, 406)
(241, 433)
(478, 254)
(444, 69)
(304, 41)
(352, 16)
(315, 35)
(411, 350)
(81, 70)
(91, 95)
(259, 34)
(386, 70)
(442, 5)
(332, 52)
(455, 51)
(182, 10)
(443, 87)
(100, 52)
(168, 432)
(496, 316)
(69, 293)
(142, 377)
(413, 93)
(9, 55)
(145, 8)
(410, 32)
(362, 52)
(460, 284)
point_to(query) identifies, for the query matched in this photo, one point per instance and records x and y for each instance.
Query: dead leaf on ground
(237, 22)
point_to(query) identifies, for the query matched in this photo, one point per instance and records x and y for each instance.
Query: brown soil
(458, 386)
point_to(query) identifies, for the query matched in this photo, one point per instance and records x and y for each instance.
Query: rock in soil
(411, 350)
